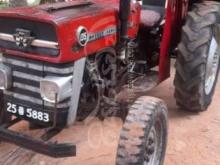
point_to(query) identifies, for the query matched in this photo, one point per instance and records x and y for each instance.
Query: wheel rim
(212, 66)
(153, 146)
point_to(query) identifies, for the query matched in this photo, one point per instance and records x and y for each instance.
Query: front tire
(143, 137)
(197, 65)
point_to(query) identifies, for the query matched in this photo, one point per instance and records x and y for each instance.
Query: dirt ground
(194, 139)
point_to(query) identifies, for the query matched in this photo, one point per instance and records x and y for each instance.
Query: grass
(3, 5)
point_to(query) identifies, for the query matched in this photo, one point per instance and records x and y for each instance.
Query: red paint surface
(175, 14)
(97, 18)
(102, 15)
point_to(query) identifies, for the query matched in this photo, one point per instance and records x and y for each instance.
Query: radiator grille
(39, 30)
(26, 75)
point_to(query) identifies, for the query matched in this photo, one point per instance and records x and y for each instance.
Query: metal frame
(78, 73)
(38, 145)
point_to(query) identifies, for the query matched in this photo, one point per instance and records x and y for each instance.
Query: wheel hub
(212, 66)
(151, 148)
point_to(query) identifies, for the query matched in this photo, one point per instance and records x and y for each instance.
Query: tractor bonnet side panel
(101, 31)
(95, 24)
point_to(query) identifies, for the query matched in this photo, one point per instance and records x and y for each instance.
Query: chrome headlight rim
(44, 95)
(6, 73)
(62, 88)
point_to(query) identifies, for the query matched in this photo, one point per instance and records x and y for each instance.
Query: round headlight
(5, 77)
(49, 90)
(56, 89)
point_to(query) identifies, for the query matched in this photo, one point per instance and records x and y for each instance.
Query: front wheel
(143, 137)
(197, 65)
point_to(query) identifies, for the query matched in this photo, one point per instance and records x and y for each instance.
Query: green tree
(14, 3)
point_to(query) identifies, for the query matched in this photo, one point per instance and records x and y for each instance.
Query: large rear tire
(143, 137)
(197, 65)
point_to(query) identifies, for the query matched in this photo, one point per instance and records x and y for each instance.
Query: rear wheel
(197, 63)
(143, 137)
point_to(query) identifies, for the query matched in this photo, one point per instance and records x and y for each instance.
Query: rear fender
(175, 14)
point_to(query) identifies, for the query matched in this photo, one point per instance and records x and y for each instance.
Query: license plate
(27, 112)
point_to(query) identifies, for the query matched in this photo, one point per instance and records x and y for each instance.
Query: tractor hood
(62, 32)
(59, 12)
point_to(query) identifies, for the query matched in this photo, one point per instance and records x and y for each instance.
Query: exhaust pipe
(124, 12)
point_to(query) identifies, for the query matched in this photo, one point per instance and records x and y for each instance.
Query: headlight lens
(5, 77)
(49, 91)
(56, 89)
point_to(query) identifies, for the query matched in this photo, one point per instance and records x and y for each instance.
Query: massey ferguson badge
(82, 36)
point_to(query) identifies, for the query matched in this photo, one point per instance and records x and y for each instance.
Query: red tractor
(66, 61)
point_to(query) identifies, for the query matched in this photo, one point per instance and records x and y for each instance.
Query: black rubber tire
(146, 113)
(201, 26)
